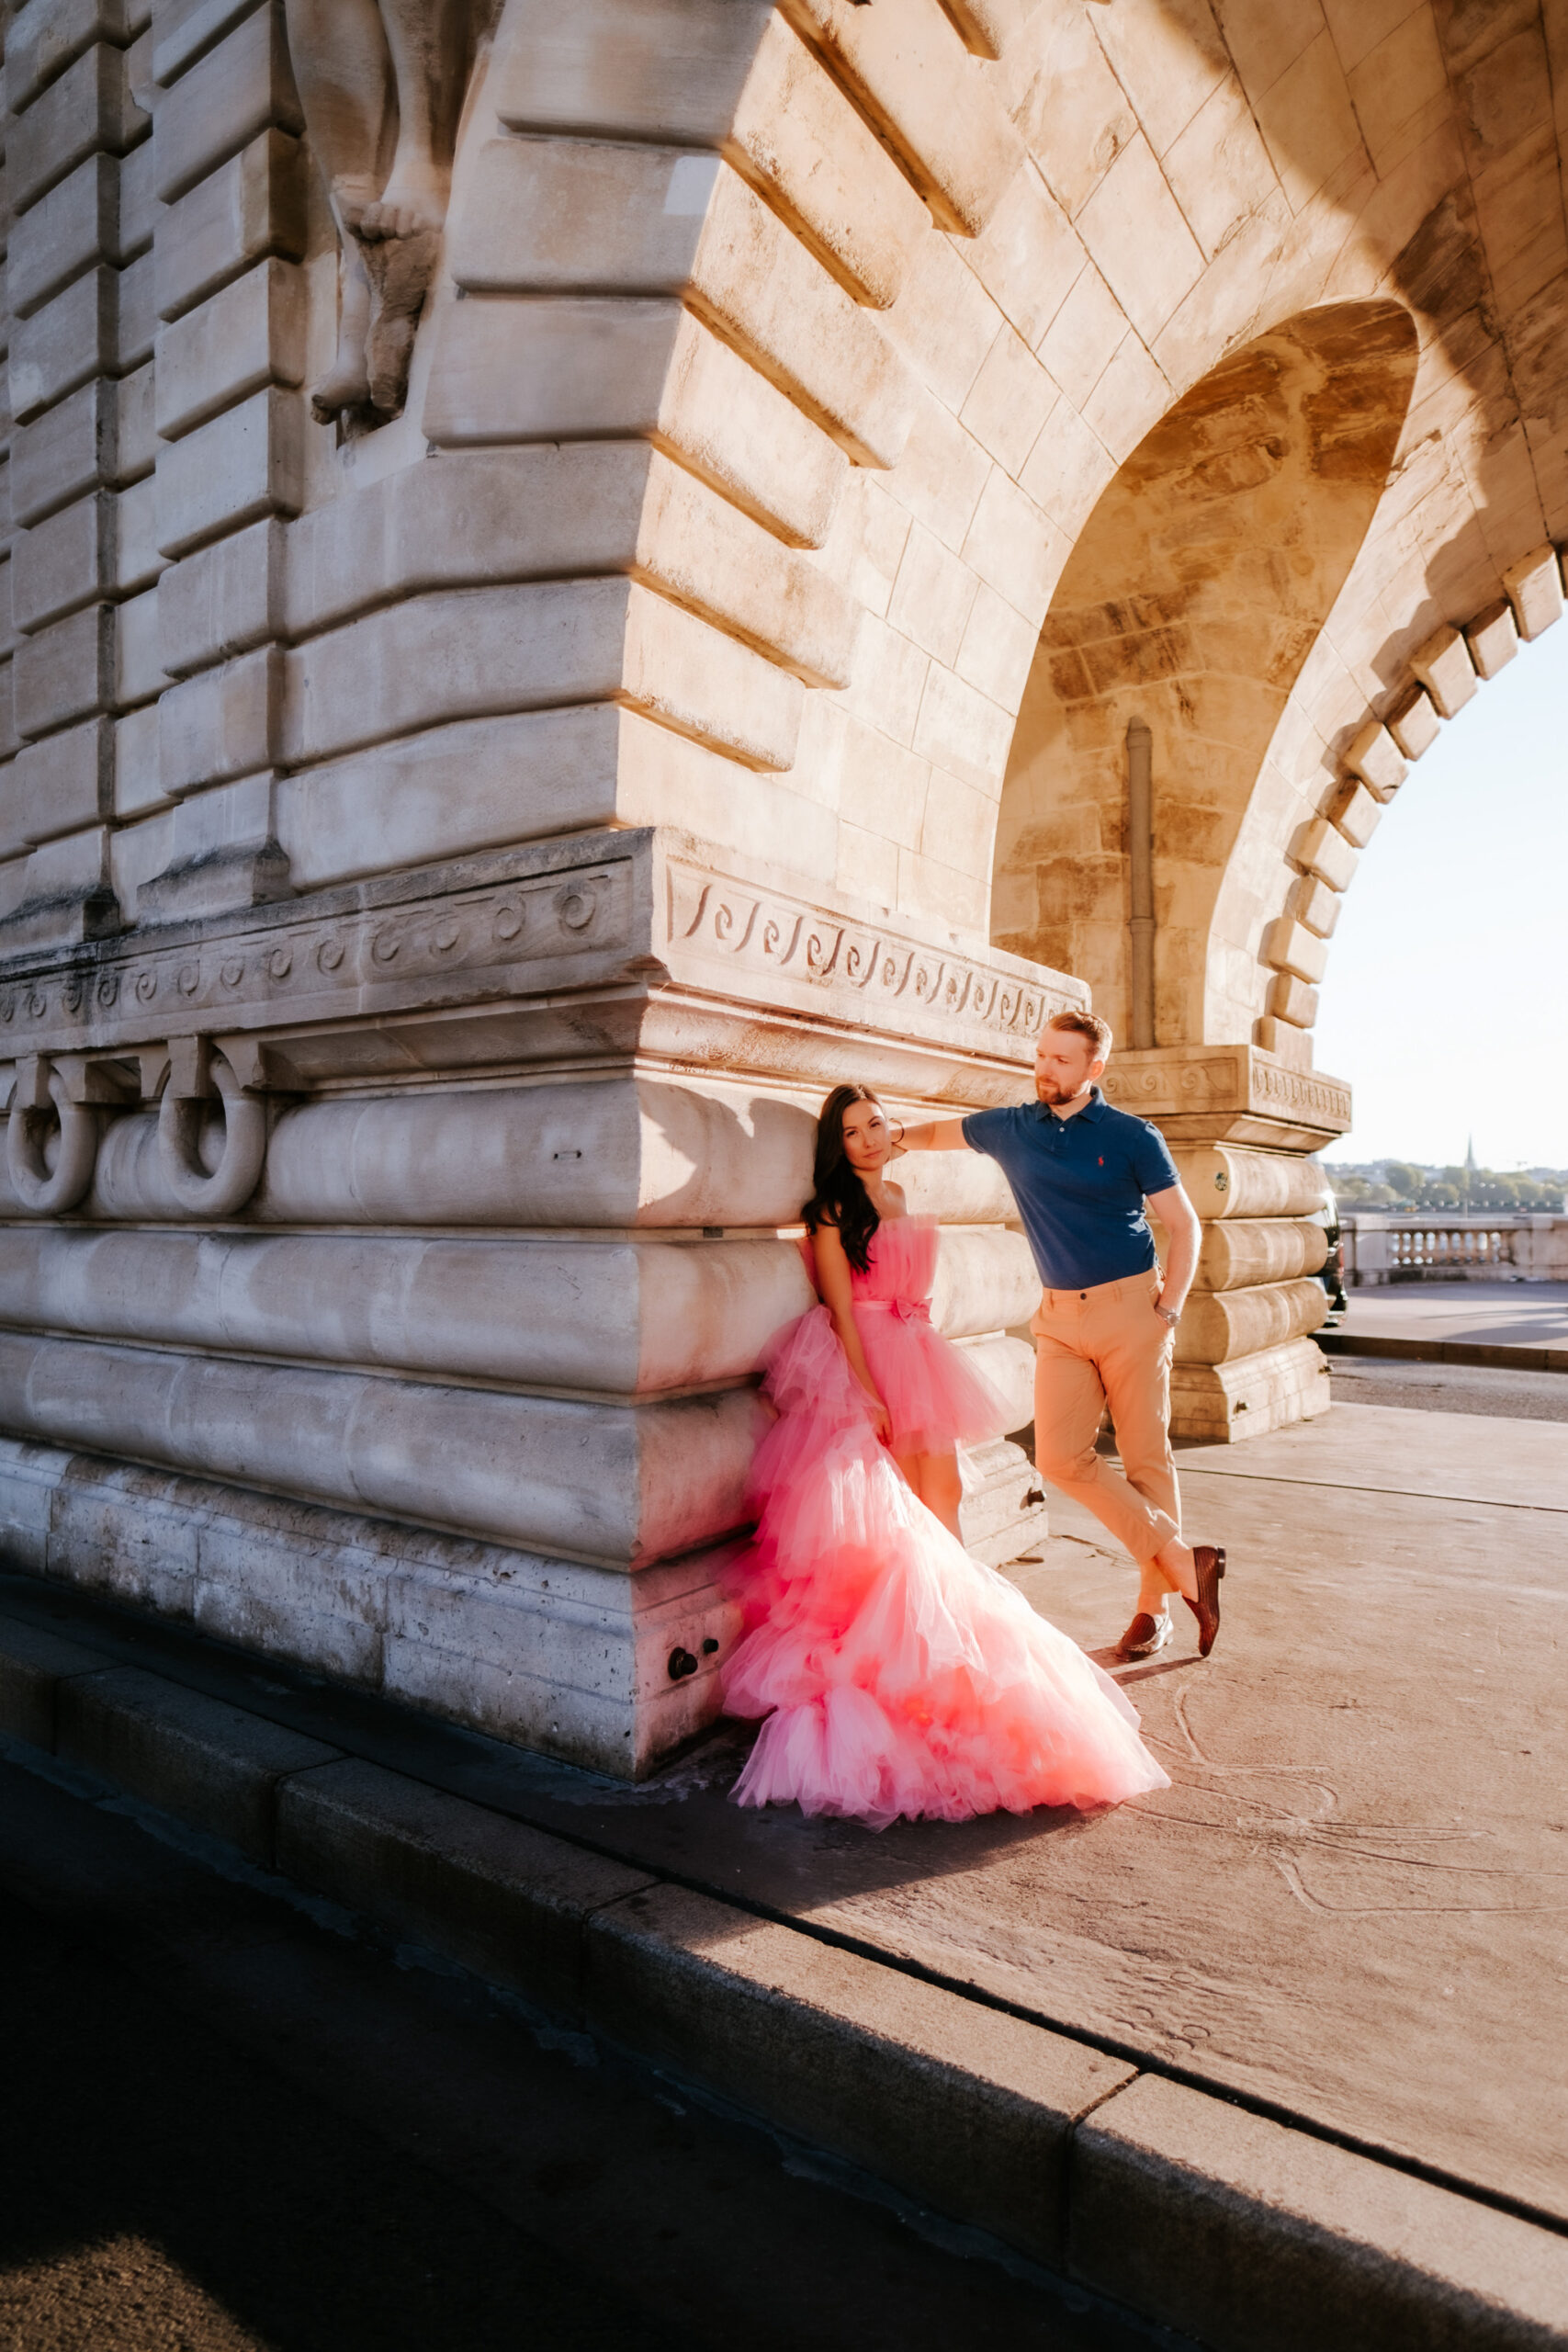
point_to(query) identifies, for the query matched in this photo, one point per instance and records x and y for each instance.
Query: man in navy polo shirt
(1081, 1172)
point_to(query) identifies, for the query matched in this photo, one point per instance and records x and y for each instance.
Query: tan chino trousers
(1098, 1347)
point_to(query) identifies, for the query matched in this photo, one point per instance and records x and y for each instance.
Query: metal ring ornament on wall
(228, 1185)
(41, 1190)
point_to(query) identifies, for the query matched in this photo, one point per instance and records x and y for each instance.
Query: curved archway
(1193, 599)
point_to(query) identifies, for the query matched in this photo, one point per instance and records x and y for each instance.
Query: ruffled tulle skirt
(935, 1399)
(896, 1674)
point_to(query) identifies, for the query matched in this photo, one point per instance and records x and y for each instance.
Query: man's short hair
(1085, 1025)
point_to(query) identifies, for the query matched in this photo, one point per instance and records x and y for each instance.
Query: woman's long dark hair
(838, 1196)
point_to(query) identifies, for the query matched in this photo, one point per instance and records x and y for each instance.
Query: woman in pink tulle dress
(895, 1674)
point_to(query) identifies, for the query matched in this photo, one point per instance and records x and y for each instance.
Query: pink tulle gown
(897, 1676)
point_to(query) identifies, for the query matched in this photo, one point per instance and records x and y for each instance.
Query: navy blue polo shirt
(1079, 1184)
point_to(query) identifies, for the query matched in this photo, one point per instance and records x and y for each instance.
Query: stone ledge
(507, 1901)
(208, 1763)
(1243, 2233)
(1232, 2226)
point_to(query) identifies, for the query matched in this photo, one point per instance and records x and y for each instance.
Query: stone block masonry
(557, 613)
(556, 1413)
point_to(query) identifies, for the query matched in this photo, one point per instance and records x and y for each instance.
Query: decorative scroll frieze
(875, 973)
(1235, 1093)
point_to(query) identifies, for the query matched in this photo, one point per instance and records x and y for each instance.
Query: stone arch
(1191, 600)
(1310, 865)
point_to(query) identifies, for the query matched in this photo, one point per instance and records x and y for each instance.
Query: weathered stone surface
(604, 1483)
(1290, 947)
(961, 2106)
(68, 342)
(502, 1899)
(1256, 2232)
(529, 371)
(1535, 590)
(33, 1663)
(222, 600)
(936, 108)
(251, 206)
(138, 675)
(555, 214)
(463, 653)
(195, 1756)
(65, 671)
(1249, 1394)
(243, 465)
(86, 108)
(1238, 1252)
(246, 336)
(44, 36)
(70, 449)
(70, 230)
(241, 89)
(796, 136)
(1218, 1326)
(67, 562)
(1444, 667)
(227, 722)
(1374, 756)
(1492, 639)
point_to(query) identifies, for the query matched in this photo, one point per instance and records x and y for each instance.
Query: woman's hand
(881, 1420)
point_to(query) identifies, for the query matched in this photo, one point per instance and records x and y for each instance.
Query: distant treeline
(1405, 1184)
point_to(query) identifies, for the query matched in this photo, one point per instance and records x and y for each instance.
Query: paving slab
(1347, 1910)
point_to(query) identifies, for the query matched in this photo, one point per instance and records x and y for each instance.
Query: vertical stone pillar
(1241, 1125)
(79, 622)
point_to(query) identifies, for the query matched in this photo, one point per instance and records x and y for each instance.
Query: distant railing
(1392, 1246)
(1429, 1249)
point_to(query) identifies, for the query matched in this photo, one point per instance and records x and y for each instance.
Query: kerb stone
(961, 2104)
(210, 1764)
(507, 1901)
(1245, 2233)
(33, 1663)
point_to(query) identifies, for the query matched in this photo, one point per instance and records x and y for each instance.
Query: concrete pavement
(1527, 1315)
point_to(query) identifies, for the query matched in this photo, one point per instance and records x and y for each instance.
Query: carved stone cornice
(1229, 1095)
(600, 948)
(744, 938)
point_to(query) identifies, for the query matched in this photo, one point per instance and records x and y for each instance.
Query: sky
(1446, 998)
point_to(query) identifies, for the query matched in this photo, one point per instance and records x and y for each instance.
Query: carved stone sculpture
(382, 82)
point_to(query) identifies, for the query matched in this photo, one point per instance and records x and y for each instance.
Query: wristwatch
(1171, 1315)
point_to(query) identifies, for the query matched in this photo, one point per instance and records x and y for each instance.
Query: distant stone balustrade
(1382, 1247)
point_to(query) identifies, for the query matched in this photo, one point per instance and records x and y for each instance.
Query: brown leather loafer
(1146, 1634)
(1209, 1560)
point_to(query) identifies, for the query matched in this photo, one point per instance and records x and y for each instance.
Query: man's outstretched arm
(933, 1135)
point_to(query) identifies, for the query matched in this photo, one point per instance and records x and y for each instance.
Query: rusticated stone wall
(574, 577)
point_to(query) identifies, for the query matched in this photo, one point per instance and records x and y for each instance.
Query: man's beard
(1047, 1090)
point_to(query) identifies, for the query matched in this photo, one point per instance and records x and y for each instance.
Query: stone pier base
(1241, 1123)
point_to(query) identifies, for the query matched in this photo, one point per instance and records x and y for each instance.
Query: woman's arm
(833, 1281)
